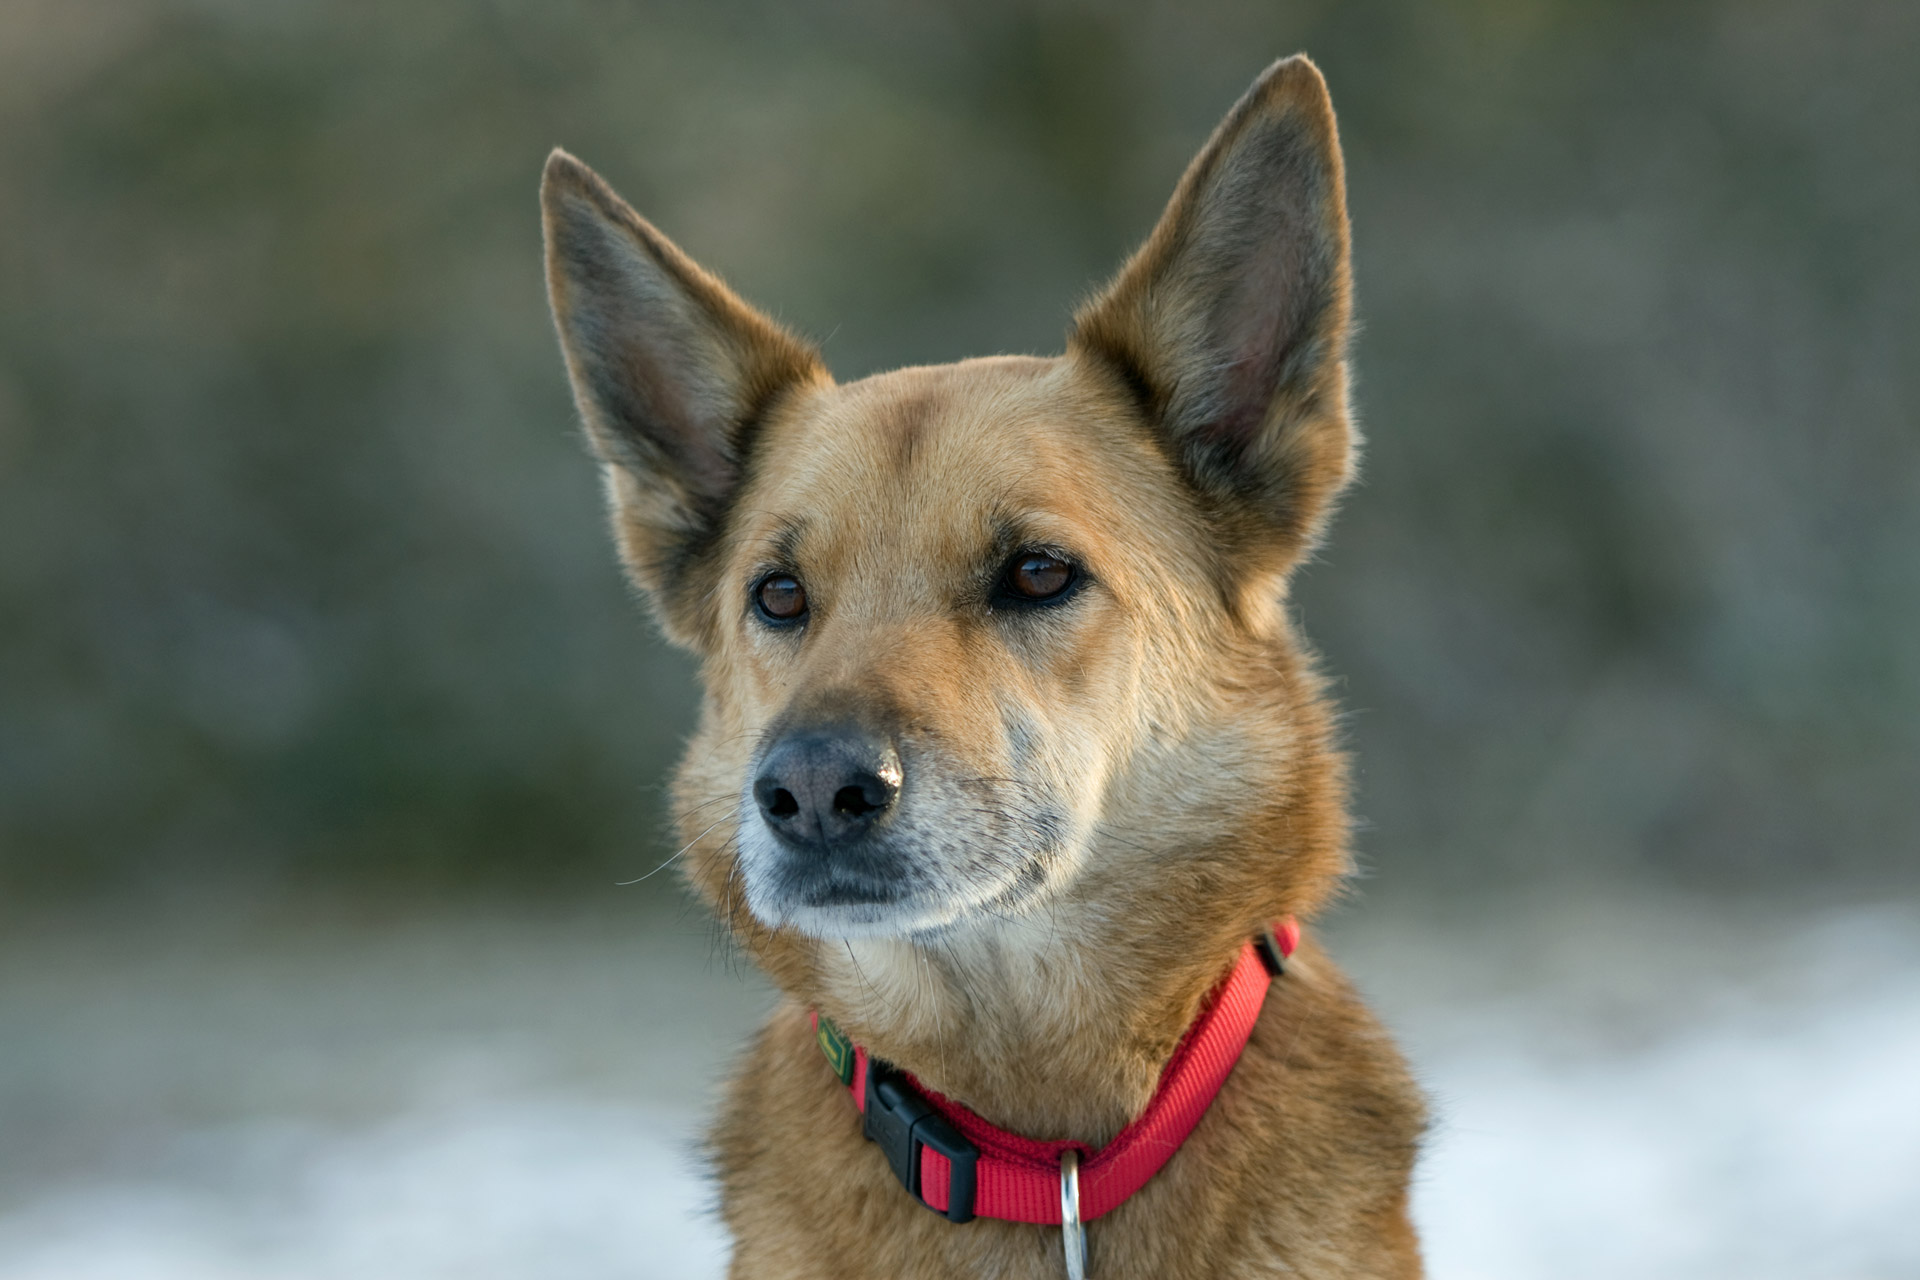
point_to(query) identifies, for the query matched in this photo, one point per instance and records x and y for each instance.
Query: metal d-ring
(1073, 1235)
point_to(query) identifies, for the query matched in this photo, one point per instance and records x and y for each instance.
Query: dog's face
(966, 628)
(935, 637)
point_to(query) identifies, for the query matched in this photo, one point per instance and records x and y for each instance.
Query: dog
(1012, 770)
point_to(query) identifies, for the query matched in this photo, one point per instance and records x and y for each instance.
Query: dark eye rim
(1004, 595)
(774, 620)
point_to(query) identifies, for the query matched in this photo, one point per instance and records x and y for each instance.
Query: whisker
(683, 848)
(706, 804)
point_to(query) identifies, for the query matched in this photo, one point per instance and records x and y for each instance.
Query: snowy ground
(1624, 1089)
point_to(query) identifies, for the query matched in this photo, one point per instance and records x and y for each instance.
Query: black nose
(820, 787)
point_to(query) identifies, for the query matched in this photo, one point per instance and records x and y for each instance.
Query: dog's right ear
(672, 373)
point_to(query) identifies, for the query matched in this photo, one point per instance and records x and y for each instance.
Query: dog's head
(979, 633)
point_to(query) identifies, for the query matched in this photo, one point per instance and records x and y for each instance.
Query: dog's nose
(827, 786)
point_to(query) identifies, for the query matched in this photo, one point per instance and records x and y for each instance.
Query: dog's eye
(780, 598)
(1036, 576)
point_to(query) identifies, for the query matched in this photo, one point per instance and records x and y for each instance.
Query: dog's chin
(832, 914)
(831, 922)
(833, 907)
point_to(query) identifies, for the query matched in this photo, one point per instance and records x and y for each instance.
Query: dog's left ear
(1229, 326)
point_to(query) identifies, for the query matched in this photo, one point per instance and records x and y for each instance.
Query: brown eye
(1037, 576)
(780, 598)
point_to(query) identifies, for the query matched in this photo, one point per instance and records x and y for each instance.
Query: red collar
(963, 1167)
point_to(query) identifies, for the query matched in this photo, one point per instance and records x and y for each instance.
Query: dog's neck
(1046, 1037)
(1053, 1025)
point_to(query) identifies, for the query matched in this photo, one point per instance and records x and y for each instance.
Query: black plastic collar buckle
(1271, 957)
(903, 1122)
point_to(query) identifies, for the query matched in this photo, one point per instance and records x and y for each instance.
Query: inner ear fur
(1229, 325)
(672, 374)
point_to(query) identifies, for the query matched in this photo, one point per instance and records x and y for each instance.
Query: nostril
(781, 803)
(852, 802)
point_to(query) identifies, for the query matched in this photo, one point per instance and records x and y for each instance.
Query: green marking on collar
(838, 1048)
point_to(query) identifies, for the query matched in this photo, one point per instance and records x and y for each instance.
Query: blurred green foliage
(302, 573)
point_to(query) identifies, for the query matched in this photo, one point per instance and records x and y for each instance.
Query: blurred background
(327, 726)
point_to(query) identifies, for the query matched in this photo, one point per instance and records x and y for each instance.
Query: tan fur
(1166, 733)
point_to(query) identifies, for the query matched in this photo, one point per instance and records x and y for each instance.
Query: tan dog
(1009, 744)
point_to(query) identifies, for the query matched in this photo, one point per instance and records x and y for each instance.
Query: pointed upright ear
(1229, 326)
(673, 375)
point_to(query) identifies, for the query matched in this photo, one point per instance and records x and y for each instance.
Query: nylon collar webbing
(963, 1167)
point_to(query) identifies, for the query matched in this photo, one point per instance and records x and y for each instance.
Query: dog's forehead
(937, 459)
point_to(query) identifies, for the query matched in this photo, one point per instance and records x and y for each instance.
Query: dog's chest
(1296, 1169)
